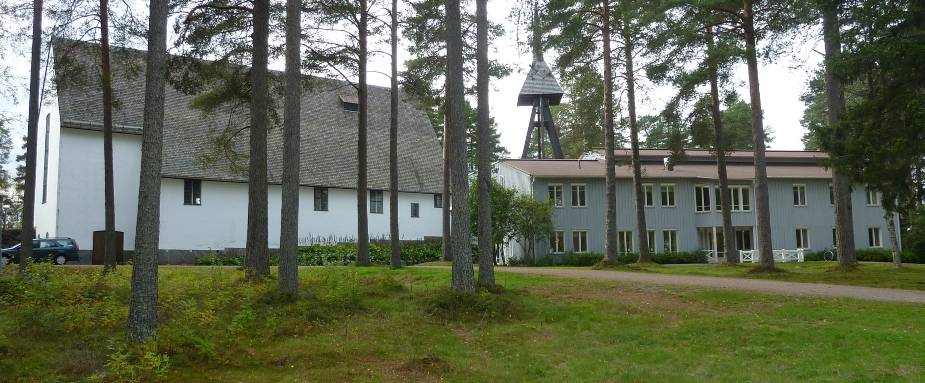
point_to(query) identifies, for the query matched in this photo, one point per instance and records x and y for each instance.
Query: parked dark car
(57, 250)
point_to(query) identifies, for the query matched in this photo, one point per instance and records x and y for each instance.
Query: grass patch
(375, 324)
(910, 276)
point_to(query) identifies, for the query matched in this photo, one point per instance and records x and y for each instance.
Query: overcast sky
(782, 82)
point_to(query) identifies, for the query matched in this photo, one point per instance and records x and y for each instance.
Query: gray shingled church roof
(540, 82)
(328, 155)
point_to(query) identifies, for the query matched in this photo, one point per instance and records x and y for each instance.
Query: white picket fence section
(753, 256)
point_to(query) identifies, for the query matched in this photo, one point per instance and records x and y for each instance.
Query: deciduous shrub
(341, 254)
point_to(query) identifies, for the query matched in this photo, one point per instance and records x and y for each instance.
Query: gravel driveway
(757, 285)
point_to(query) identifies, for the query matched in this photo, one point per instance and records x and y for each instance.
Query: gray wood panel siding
(817, 216)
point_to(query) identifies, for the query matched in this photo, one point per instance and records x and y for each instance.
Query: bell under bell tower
(540, 91)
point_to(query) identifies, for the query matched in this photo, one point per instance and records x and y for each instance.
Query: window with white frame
(717, 199)
(799, 195)
(670, 241)
(873, 197)
(741, 198)
(702, 198)
(651, 239)
(580, 241)
(557, 242)
(625, 242)
(649, 195)
(555, 195)
(578, 195)
(667, 194)
(873, 237)
(375, 201)
(802, 236)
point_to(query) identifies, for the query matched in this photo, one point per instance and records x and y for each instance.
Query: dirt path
(757, 285)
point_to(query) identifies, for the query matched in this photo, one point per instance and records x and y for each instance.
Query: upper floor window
(580, 241)
(799, 195)
(741, 198)
(557, 242)
(375, 201)
(667, 192)
(718, 199)
(802, 236)
(321, 199)
(192, 192)
(702, 198)
(649, 195)
(555, 195)
(578, 195)
(625, 242)
(670, 239)
(438, 201)
(873, 237)
(415, 210)
(873, 197)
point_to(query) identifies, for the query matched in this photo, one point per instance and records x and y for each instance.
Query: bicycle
(828, 255)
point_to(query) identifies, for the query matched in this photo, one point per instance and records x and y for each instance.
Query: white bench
(783, 256)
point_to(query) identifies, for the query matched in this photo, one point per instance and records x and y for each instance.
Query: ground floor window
(557, 242)
(580, 241)
(670, 241)
(625, 242)
(651, 240)
(873, 237)
(192, 192)
(321, 199)
(375, 201)
(415, 210)
(802, 236)
(834, 237)
(438, 201)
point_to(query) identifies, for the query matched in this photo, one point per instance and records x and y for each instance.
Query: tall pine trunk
(463, 278)
(725, 198)
(292, 142)
(889, 219)
(28, 203)
(762, 205)
(393, 147)
(142, 308)
(109, 251)
(445, 198)
(609, 145)
(639, 195)
(257, 256)
(363, 118)
(486, 256)
(834, 92)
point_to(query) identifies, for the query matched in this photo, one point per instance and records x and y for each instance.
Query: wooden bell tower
(540, 91)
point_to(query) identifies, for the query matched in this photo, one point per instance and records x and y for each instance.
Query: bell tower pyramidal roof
(540, 82)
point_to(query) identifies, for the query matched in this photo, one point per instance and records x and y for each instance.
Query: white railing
(753, 256)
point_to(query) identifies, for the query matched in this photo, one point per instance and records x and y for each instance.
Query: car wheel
(60, 260)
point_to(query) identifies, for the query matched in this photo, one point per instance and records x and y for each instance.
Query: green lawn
(910, 276)
(373, 324)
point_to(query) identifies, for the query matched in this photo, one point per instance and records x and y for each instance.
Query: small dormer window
(350, 103)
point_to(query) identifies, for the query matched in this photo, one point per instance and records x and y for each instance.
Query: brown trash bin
(99, 243)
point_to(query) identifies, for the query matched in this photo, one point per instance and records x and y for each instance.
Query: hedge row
(872, 255)
(342, 254)
(590, 259)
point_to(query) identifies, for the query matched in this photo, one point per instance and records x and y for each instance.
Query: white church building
(204, 184)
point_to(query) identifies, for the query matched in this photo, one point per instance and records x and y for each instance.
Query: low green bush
(448, 305)
(591, 259)
(342, 254)
(666, 258)
(871, 254)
